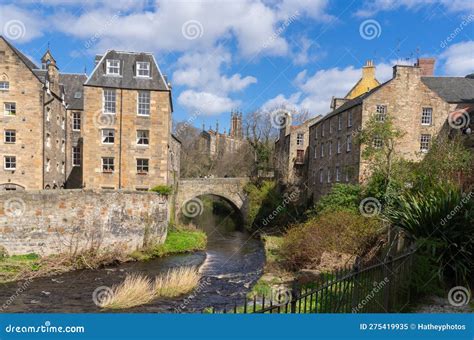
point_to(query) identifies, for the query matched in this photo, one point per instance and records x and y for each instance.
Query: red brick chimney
(426, 65)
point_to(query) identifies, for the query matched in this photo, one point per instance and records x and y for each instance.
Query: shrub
(341, 197)
(134, 291)
(176, 282)
(165, 190)
(441, 220)
(338, 231)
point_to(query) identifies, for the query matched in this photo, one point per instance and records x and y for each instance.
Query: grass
(180, 241)
(137, 289)
(12, 267)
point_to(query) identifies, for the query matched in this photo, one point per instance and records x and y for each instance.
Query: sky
(249, 54)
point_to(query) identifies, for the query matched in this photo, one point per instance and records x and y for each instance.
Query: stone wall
(68, 221)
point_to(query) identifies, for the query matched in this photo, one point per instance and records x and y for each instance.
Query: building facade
(419, 104)
(33, 123)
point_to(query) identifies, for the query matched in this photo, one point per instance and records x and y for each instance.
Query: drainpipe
(120, 140)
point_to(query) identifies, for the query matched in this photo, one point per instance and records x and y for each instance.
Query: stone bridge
(230, 189)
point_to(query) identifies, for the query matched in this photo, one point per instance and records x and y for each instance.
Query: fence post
(387, 273)
(294, 297)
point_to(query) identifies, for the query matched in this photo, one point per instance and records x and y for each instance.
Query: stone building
(419, 104)
(291, 151)
(34, 122)
(214, 143)
(127, 123)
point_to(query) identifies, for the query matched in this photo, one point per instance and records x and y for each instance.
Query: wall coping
(86, 191)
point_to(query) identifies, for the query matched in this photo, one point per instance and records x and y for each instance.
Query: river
(231, 264)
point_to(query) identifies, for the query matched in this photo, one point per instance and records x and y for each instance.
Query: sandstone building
(214, 143)
(33, 123)
(110, 130)
(419, 104)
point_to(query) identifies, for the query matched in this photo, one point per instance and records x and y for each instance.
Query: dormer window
(113, 67)
(143, 69)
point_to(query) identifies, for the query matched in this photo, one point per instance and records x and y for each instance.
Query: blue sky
(249, 54)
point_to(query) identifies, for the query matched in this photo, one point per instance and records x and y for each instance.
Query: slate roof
(74, 91)
(127, 78)
(452, 89)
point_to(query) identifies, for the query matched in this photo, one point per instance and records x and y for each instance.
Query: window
(349, 119)
(299, 139)
(62, 167)
(108, 136)
(9, 109)
(76, 121)
(63, 145)
(48, 139)
(322, 130)
(143, 137)
(349, 143)
(315, 153)
(9, 162)
(10, 136)
(330, 126)
(314, 176)
(339, 122)
(300, 156)
(316, 133)
(4, 85)
(144, 103)
(425, 143)
(330, 149)
(426, 116)
(381, 112)
(48, 164)
(322, 149)
(321, 175)
(329, 176)
(109, 101)
(143, 69)
(76, 156)
(338, 146)
(338, 174)
(108, 164)
(142, 166)
(113, 67)
(347, 174)
(141, 189)
(377, 142)
(63, 122)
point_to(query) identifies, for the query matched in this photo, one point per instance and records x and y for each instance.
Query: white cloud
(19, 25)
(315, 91)
(371, 8)
(206, 102)
(459, 59)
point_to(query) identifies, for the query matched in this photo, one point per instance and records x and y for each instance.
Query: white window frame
(11, 134)
(321, 175)
(330, 148)
(427, 116)
(329, 175)
(109, 101)
(138, 67)
(348, 143)
(322, 130)
(349, 119)
(338, 146)
(9, 162)
(108, 164)
(338, 174)
(114, 68)
(139, 104)
(425, 140)
(377, 142)
(381, 113)
(322, 150)
(143, 138)
(339, 122)
(143, 166)
(76, 156)
(8, 112)
(330, 126)
(3, 87)
(76, 121)
(300, 138)
(105, 135)
(315, 152)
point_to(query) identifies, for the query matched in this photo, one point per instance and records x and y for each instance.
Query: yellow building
(366, 83)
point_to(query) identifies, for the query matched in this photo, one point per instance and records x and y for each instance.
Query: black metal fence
(379, 288)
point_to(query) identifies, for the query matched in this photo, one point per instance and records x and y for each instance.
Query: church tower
(236, 125)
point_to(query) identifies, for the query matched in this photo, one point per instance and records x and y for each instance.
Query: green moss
(163, 189)
(11, 266)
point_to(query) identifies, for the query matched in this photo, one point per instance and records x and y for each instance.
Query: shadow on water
(231, 264)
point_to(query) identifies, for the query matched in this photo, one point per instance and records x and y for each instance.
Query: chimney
(426, 65)
(368, 71)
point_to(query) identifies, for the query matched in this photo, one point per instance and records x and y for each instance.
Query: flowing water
(231, 264)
